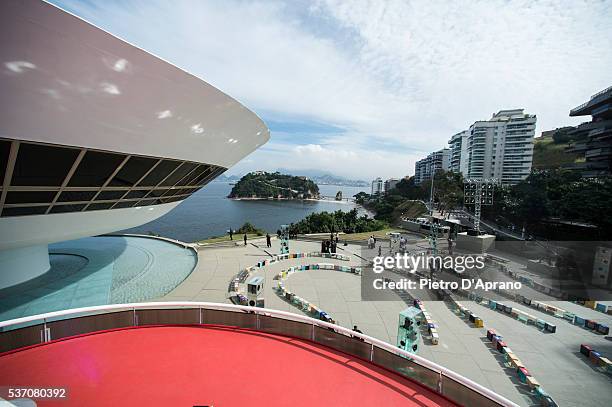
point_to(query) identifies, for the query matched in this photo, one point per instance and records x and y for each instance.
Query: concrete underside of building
(119, 136)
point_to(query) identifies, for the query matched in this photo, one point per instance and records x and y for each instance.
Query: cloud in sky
(365, 88)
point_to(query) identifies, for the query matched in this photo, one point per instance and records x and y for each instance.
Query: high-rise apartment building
(377, 186)
(390, 184)
(458, 152)
(438, 160)
(501, 147)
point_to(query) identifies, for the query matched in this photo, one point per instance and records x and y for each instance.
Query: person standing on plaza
(371, 242)
(268, 240)
(245, 239)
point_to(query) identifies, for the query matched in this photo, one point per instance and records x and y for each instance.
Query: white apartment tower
(458, 153)
(377, 186)
(501, 147)
(438, 160)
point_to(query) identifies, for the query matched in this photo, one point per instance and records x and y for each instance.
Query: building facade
(390, 184)
(501, 147)
(378, 186)
(425, 168)
(458, 153)
(595, 136)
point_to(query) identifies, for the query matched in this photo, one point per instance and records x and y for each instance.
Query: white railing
(203, 306)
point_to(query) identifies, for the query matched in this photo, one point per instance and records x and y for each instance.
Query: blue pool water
(98, 271)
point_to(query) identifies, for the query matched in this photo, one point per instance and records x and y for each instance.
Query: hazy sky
(365, 88)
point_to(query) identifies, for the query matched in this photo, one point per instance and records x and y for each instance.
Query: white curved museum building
(97, 135)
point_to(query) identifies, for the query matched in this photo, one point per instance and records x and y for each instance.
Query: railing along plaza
(43, 328)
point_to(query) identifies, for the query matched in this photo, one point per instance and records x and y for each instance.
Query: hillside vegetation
(405, 200)
(274, 185)
(338, 221)
(549, 150)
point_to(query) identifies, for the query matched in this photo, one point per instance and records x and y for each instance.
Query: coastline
(346, 201)
(360, 207)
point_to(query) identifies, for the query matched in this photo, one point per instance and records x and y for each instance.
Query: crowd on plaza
(330, 245)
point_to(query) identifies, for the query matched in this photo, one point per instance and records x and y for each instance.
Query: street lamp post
(431, 195)
(433, 227)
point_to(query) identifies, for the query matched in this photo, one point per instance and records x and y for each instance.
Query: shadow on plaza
(510, 372)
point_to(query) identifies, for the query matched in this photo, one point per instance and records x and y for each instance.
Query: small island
(266, 185)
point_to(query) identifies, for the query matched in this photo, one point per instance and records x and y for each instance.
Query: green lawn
(226, 238)
(363, 236)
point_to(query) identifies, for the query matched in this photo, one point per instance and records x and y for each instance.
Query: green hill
(275, 185)
(549, 150)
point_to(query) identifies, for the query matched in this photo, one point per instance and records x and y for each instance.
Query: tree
(248, 228)
(565, 135)
(328, 222)
(555, 193)
(361, 197)
(448, 190)
(264, 185)
(409, 189)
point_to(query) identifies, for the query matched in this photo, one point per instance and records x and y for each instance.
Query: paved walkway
(102, 270)
(554, 359)
(461, 347)
(335, 292)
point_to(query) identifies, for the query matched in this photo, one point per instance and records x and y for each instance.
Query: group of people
(371, 242)
(329, 246)
(292, 232)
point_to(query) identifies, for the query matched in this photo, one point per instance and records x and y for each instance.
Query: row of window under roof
(35, 197)
(46, 165)
(82, 206)
(40, 182)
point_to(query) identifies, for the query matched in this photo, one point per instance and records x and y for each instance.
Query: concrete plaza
(553, 359)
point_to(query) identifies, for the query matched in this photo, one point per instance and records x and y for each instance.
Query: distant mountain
(225, 178)
(325, 178)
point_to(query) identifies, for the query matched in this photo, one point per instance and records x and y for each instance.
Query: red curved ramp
(206, 366)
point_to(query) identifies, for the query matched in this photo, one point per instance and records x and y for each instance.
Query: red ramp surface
(206, 366)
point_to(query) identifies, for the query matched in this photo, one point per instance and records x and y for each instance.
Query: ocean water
(209, 213)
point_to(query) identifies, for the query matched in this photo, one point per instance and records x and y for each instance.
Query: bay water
(209, 212)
